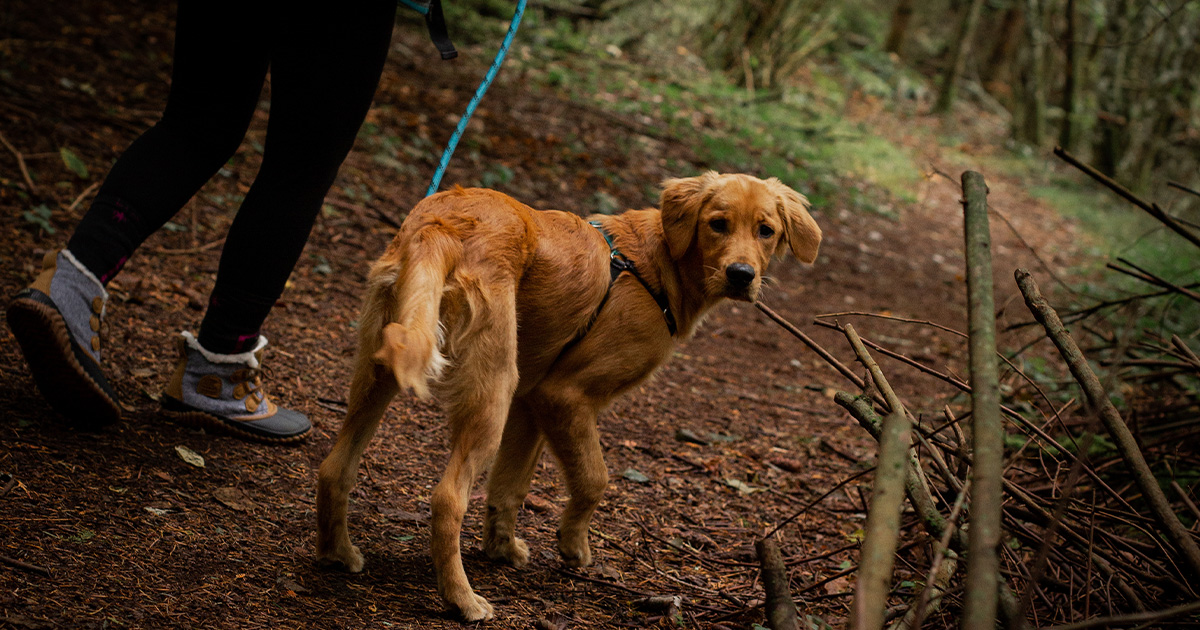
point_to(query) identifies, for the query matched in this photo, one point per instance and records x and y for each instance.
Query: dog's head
(735, 223)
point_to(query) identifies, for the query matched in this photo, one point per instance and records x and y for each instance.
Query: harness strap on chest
(619, 264)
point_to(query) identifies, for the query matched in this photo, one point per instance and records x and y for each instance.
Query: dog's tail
(399, 327)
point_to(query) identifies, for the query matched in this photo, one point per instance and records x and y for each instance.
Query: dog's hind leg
(478, 392)
(508, 484)
(571, 431)
(370, 392)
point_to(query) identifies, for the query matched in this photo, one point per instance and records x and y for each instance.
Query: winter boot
(224, 392)
(56, 320)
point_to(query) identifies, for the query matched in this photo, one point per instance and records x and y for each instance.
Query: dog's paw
(575, 553)
(512, 550)
(473, 607)
(348, 559)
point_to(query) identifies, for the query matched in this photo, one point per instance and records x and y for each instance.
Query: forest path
(132, 536)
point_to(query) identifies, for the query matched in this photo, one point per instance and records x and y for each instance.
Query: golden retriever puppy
(525, 324)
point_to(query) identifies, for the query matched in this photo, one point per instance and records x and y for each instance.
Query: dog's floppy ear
(800, 232)
(680, 204)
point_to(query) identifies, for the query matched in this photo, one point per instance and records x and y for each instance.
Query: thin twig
(812, 345)
(1151, 208)
(1070, 317)
(380, 214)
(20, 164)
(78, 200)
(1186, 499)
(1011, 413)
(25, 566)
(190, 250)
(1145, 276)
(1122, 620)
(817, 500)
(1184, 188)
(1045, 265)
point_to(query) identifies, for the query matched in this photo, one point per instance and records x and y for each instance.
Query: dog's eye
(765, 231)
(718, 225)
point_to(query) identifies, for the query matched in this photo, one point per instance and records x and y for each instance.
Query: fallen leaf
(73, 162)
(840, 585)
(741, 486)
(156, 511)
(190, 456)
(291, 585)
(234, 499)
(537, 504)
(724, 437)
(635, 476)
(790, 465)
(687, 435)
(546, 623)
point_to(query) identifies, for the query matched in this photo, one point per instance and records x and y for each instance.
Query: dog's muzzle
(739, 276)
(739, 280)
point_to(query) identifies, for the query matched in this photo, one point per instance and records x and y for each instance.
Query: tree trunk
(958, 59)
(1111, 97)
(1000, 61)
(1069, 133)
(1033, 129)
(898, 30)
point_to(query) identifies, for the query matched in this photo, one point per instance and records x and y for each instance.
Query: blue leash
(479, 92)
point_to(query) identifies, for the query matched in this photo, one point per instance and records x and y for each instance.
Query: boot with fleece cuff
(224, 392)
(56, 321)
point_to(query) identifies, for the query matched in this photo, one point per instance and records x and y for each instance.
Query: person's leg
(325, 65)
(220, 61)
(324, 71)
(221, 56)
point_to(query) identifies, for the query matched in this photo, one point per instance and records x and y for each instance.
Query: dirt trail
(132, 536)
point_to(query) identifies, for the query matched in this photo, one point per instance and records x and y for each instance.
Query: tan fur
(477, 300)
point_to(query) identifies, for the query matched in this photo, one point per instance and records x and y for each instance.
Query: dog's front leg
(576, 443)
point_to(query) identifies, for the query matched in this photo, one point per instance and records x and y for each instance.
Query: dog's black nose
(739, 274)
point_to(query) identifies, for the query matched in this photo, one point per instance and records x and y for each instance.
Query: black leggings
(325, 64)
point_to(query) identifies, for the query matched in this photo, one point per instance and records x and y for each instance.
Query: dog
(525, 324)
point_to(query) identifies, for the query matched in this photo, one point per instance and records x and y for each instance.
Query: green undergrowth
(1122, 231)
(663, 90)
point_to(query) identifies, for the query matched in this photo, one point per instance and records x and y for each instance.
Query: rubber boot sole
(70, 381)
(192, 417)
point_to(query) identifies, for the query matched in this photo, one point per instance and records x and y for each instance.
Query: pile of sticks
(1081, 525)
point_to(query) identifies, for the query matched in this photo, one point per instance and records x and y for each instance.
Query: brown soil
(133, 536)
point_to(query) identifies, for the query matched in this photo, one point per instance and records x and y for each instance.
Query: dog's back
(466, 257)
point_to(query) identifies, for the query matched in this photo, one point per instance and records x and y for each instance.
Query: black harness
(619, 264)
